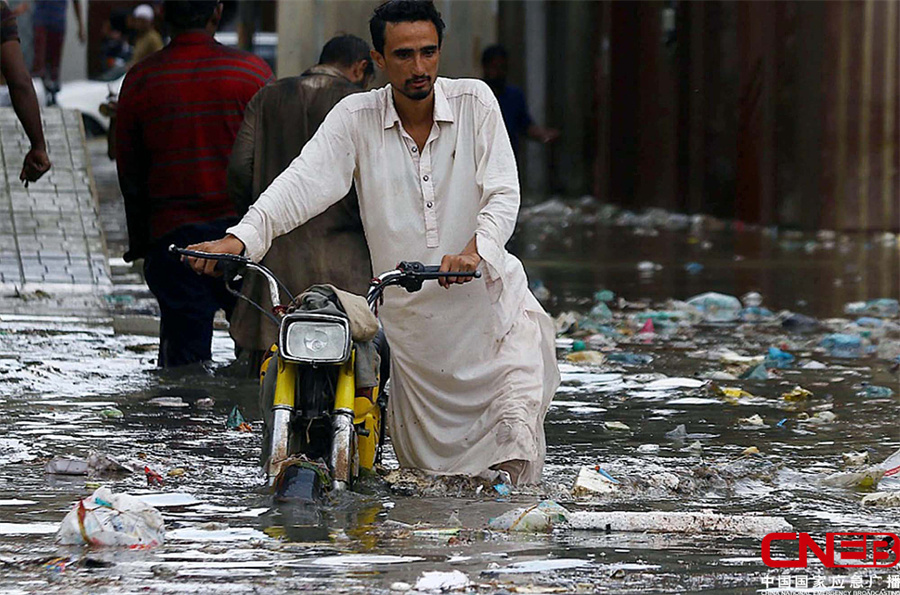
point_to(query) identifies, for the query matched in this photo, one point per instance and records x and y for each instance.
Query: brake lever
(230, 269)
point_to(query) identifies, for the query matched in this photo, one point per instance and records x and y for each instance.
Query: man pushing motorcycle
(473, 365)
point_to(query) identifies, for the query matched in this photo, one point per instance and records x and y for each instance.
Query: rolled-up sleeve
(498, 178)
(318, 178)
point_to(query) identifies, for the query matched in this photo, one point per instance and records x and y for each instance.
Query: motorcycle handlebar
(434, 271)
(232, 265)
(235, 258)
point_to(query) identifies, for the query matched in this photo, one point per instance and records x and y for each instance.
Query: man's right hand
(36, 164)
(203, 266)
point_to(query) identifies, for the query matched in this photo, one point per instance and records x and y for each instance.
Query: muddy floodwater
(60, 380)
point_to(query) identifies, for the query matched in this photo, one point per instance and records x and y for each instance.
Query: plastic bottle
(877, 392)
(843, 345)
(601, 312)
(717, 307)
(883, 307)
(629, 359)
(776, 358)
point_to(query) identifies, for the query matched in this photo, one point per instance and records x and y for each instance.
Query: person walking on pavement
(49, 20)
(330, 248)
(22, 95)
(178, 115)
(473, 364)
(147, 39)
(518, 120)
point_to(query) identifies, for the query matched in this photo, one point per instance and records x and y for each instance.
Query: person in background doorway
(49, 20)
(114, 47)
(495, 66)
(21, 93)
(147, 39)
(331, 248)
(178, 114)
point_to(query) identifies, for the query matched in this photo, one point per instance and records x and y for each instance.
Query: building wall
(786, 112)
(305, 25)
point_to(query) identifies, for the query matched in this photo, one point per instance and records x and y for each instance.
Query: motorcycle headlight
(314, 338)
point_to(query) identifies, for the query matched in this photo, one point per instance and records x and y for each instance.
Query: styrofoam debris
(677, 522)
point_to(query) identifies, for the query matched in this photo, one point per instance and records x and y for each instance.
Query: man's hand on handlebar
(202, 266)
(465, 262)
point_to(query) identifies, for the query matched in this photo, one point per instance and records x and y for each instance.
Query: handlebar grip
(432, 271)
(218, 256)
(230, 265)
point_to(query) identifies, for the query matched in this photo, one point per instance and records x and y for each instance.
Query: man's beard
(417, 94)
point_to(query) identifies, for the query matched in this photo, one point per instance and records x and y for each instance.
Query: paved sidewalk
(50, 234)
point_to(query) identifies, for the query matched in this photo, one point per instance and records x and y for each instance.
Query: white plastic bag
(107, 519)
(535, 519)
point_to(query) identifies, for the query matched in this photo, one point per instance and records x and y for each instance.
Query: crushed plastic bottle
(865, 478)
(717, 307)
(756, 314)
(776, 358)
(876, 392)
(565, 322)
(629, 359)
(797, 394)
(869, 322)
(757, 372)
(586, 357)
(752, 300)
(540, 291)
(693, 268)
(601, 312)
(844, 345)
(799, 323)
(885, 307)
(646, 266)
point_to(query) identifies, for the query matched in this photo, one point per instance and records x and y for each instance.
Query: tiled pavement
(50, 233)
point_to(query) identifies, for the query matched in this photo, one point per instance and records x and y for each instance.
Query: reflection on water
(792, 270)
(57, 378)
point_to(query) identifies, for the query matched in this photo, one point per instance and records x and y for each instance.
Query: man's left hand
(465, 263)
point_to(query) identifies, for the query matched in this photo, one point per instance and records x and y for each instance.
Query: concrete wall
(305, 25)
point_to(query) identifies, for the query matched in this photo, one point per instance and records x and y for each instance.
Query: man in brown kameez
(331, 248)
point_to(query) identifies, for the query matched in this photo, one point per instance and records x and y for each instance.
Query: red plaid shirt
(178, 115)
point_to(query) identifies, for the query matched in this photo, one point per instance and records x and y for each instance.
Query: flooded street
(62, 380)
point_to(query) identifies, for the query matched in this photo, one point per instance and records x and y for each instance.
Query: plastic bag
(112, 520)
(538, 518)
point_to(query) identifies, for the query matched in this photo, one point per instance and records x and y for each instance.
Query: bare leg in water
(515, 468)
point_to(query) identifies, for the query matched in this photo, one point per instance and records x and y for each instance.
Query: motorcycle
(324, 429)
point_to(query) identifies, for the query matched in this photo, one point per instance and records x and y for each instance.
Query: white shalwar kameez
(473, 367)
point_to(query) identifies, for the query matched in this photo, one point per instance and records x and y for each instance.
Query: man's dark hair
(184, 15)
(493, 51)
(345, 50)
(403, 11)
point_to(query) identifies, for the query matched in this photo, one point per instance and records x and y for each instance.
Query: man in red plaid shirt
(178, 115)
